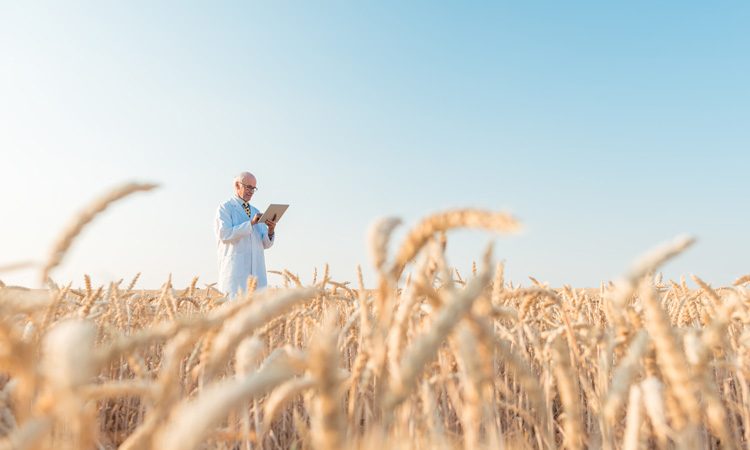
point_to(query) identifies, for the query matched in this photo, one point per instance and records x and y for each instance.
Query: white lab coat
(240, 247)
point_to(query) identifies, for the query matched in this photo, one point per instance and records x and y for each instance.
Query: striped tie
(247, 208)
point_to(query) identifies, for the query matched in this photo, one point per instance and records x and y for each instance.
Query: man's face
(245, 188)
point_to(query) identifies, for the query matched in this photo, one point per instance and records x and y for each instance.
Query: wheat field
(424, 359)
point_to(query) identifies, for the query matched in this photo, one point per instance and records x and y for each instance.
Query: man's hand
(271, 227)
(255, 219)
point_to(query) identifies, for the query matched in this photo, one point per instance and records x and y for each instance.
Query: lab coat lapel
(239, 210)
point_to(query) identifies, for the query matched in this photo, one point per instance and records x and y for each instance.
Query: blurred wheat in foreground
(428, 359)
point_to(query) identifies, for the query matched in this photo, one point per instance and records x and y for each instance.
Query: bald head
(245, 185)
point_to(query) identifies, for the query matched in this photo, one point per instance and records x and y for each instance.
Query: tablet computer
(273, 212)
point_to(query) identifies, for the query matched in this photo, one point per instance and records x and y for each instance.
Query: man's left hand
(271, 226)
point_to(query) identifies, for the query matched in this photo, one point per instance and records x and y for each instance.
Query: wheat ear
(247, 320)
(426, 345)
(192, 421)
(283, 394)
(74, 228)
(624, 375)
(327, 424)
(569, 396)
(441, 222)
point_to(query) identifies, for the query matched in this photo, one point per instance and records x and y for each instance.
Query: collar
(239, 201)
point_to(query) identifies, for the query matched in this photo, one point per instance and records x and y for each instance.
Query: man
(241, 239)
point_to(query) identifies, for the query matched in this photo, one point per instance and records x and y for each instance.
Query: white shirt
(240, 247)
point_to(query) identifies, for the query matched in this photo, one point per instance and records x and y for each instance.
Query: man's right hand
(255, 219)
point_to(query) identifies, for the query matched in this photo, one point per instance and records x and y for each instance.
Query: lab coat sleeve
(267, 241)
(224, 229)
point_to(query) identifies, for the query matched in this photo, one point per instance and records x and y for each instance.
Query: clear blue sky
(605, 128)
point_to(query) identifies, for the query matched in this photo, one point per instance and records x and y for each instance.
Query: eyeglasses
(249, 187)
